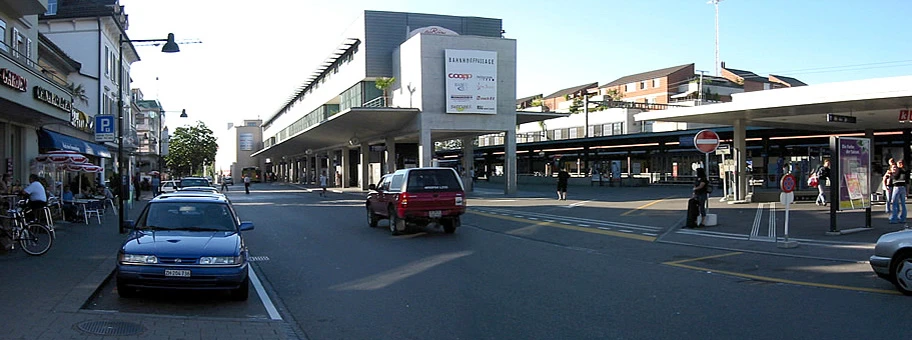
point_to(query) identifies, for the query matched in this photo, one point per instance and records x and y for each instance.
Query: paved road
(604, 264)
(538, 268)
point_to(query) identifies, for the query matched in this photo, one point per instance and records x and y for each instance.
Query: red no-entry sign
(706, 141)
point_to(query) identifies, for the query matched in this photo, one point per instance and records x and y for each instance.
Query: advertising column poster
(854, 173)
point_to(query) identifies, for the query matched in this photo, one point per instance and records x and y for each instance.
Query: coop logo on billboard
(460, 108)
(461, 97)
(464, 76)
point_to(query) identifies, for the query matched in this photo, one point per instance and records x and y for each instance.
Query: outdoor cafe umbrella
(61, 157)
(81, 167)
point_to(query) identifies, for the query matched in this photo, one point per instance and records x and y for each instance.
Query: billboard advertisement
(471, 81)
(854, 173)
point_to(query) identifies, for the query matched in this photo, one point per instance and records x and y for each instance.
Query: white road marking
(584, 225)
(650, 234)
(603, 228)
(270, 307)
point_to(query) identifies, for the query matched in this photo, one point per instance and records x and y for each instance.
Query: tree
(384, 84)
(78, 92)
(576, 106)
(190, 148)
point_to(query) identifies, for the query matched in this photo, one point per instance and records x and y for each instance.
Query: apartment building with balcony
(36, 103)
(90, 31)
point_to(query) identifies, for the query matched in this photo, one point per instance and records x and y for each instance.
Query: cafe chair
(90, 208)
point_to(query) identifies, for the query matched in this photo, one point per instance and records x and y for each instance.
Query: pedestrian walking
(823, 176)
(888, 185)
(701, 194)
(224, 181)
(323, 180)
(562, 177)
(156, 185)
(247, 184)
(136, 187)
(899, 176)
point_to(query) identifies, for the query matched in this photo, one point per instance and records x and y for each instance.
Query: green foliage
(78, 92)
(536, 102)
(576, 106)
(190, 148)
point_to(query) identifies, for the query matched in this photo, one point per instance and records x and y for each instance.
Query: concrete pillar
(740, 157)
(468, 162)
(425, 148)
(510, 162)
(365, 166)
(346, 160)
(390, 160)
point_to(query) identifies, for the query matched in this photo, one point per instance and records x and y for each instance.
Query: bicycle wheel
(36, 239)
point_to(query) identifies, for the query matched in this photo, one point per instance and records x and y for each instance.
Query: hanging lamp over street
(170, 45)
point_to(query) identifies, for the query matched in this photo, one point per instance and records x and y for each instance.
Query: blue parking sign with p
(104, 128)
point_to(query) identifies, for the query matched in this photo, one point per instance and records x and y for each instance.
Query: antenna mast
(718, 63)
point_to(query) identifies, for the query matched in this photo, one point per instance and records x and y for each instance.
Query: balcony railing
(24, 61)
(376, 102)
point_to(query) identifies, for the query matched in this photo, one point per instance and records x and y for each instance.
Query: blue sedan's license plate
(178, 273)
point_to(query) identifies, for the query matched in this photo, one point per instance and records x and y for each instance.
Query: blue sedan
(185, 241)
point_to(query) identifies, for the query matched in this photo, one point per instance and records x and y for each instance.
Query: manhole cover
(105, 327)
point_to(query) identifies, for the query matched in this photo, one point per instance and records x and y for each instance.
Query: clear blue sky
(254, 55)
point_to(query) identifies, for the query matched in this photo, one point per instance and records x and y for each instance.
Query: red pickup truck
(414, 198)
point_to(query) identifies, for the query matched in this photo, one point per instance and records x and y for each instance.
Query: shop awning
(53, 140)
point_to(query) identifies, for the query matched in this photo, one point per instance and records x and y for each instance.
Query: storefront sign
(60, 102)
(13, 80)
(82, 121)
(471, 83)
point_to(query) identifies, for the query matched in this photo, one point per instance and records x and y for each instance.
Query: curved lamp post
(169, 47)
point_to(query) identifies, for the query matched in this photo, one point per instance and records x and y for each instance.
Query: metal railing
(23, 60)
(376, 102)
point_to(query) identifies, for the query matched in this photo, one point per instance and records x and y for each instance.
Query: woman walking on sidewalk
(823, 174)
(888, 185)
(899, 176)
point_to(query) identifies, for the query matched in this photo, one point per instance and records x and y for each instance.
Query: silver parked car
(892, 259)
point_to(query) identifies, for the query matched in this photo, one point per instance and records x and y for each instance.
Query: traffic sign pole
(787, 184)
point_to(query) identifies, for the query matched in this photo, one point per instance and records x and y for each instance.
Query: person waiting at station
(899, 176)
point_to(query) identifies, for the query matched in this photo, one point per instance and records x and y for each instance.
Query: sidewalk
(43, 295)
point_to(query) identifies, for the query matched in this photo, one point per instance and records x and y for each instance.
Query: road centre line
(264, 298)
(778, 280)
(570, 227)
(645, 206)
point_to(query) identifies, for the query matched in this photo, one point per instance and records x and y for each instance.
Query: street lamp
(169, 47)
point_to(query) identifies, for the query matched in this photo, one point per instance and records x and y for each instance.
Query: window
(52, 8)
(107, 62)
(253, 124)
(642, 85)
(573, 133)
(630, 87)
(19, 44)
(3, 46)
(656, 82)
(558, 134)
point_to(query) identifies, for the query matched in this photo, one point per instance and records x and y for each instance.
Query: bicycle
(34, 238)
